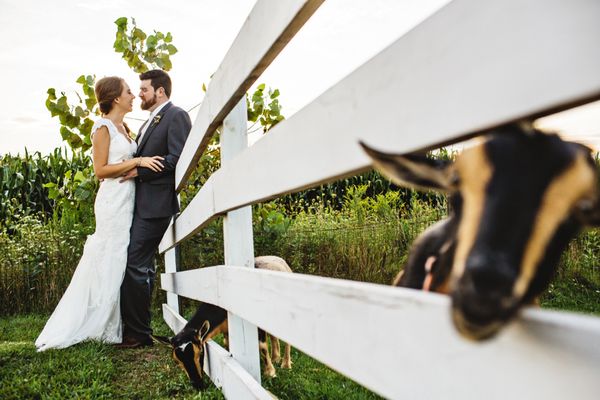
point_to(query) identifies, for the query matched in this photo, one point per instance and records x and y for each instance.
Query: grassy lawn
(93, 370)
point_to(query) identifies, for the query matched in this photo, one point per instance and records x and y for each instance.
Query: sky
(51, 43)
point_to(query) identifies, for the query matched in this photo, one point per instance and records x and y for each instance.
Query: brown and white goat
(210, 320)
(517, 198)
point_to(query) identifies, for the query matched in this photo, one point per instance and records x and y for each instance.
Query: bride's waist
(106, 182)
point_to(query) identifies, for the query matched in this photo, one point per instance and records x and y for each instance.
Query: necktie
(142, 131)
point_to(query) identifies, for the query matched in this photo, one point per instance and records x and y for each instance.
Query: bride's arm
(103, 170)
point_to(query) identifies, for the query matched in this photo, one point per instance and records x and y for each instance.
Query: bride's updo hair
(107, 90)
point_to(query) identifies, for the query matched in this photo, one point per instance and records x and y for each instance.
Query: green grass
(573, 294)
(93, 371)
(88, 370)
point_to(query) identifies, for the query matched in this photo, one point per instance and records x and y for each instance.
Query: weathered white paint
(269, 27)
(203, 203)
(229, 375)
(471, 66)
(401, 343)
(239, 243)
(171, 265)
(175, 321)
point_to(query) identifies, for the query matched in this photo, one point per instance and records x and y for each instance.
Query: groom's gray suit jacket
(155, 195)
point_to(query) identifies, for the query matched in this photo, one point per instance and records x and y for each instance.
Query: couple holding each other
(109, 296)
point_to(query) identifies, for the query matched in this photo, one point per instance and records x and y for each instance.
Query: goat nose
(488, 273)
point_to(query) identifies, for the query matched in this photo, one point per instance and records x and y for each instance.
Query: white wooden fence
(471, 66)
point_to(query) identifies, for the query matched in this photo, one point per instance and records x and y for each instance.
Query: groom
(163, 134)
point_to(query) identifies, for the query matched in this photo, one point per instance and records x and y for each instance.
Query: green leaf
(53, 193)
(71, 120)
(81, 79)
(138, 33)
(62, 105)
(275, 93)
(151, 42)
(141, 67)
(82, 194)
(257, 96)
(261, 87)
(65, 133)
(75, 141)
(166, 61)
(90, 103)
(79, 177)
(52, 108)
(171, 49)
(118, 45)
(121, 22)
(168, 38)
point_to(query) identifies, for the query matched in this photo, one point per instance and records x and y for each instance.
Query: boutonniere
(156, 119)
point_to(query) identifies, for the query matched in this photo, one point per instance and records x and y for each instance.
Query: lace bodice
(120, 148)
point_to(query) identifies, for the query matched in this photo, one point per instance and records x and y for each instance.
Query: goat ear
(413, 170)
(203, 330)
(162, 340)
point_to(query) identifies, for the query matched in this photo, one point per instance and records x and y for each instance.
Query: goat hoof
(270, 372)
(286, 365)
(276, 360)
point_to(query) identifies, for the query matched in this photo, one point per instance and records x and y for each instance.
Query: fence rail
(398, 341)
(469, 67)
(401, 100)
(270, 26)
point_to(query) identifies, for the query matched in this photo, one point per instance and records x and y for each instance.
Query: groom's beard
(146, 105)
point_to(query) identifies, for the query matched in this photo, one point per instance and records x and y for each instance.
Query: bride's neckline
(124, 134)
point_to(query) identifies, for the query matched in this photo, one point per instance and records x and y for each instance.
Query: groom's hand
(129, 175)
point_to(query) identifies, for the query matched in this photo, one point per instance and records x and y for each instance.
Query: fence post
(172, 265)
(239, 243)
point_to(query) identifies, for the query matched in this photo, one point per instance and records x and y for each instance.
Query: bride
(89, 308)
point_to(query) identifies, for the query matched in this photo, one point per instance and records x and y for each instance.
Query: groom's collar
(158, 109)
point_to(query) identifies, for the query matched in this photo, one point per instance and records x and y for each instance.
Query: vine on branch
(143, 52)
(264, 108)
(75, 121)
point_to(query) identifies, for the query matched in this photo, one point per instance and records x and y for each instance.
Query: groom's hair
(158, 78)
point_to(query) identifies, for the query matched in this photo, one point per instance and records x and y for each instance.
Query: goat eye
(454, 178)
(585, 205)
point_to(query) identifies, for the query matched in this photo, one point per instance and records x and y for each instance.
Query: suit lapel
(152, 126)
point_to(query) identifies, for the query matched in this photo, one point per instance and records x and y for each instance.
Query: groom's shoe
(130, 342)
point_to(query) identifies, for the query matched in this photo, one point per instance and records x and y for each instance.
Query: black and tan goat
(210, 320)
(517, 198)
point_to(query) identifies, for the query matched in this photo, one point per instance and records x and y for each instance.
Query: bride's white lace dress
(89, 308)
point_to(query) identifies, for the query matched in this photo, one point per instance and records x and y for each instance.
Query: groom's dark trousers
(155, 204)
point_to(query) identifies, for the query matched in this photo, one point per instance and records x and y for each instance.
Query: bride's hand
(152, 163)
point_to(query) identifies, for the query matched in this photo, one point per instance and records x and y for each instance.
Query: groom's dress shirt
(149, 120)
